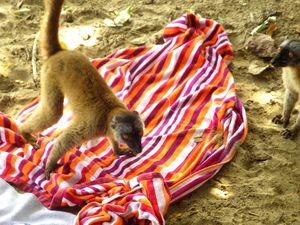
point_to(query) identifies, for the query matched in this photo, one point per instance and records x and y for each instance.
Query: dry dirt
(262, 184)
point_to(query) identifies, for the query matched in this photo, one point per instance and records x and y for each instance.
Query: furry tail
(49, 42)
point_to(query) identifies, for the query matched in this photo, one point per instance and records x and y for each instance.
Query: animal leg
(290, 100)
(292, 133)
(71, 137)
(48, 112)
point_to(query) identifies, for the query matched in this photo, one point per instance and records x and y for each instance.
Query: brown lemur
(289, 59)
(96, 111)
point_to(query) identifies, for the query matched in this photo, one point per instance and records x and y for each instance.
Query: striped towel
(186, 96)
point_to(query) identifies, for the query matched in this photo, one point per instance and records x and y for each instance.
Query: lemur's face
(288, 54)
(128, 129)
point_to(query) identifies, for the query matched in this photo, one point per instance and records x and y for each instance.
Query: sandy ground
(262, 184)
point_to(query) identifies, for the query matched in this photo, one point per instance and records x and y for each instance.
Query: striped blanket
(186, 96)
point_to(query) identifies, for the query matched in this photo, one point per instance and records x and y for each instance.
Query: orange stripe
(189, 163)
(171, 81)
(209, 142)
(37, 155)
(12, 168)
(188, 115)
(170, 140)
(144, 80)
(1, 121)
(11, 136)
(167, 200)
(27, 168)
(5, 147)
(206, 169)
(129, 51)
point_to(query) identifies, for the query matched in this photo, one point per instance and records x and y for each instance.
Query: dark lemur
(96, 110)
(289, 59)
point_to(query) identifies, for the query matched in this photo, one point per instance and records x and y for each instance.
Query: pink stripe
(192, 183)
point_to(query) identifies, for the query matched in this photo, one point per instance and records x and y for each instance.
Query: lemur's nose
(137, 148)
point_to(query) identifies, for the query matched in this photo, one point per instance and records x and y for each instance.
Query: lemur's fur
(96, 110)
(289, 59)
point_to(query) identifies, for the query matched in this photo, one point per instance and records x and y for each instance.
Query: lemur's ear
(113, 125)
(115, 120)
(136, 112)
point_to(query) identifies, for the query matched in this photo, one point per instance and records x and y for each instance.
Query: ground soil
(262, 184)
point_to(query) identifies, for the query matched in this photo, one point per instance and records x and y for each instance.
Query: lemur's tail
(49, 42)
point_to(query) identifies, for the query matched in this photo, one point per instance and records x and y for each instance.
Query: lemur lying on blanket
(289, 59)
(96, 110)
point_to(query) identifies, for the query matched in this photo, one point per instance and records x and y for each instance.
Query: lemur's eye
(141, 134)
(125, 136)
(291, 55)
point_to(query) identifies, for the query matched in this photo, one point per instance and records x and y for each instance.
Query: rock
(22, 12)
(6, 85)
(2, 16)
(297, 29)
(261, 45)
(256, 67)
(157, 38)
(138, 41)
(268, 13)
(148, 2)
(67, 17)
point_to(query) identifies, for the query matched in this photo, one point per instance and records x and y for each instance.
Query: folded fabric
(193, 118)
(25, 209)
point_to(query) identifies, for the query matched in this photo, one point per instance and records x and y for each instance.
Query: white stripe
(3, 157)
(147, 216)
(116, 76)
(211, 30)
(191, 189)
(202, 22)
(238, 131)
(117, 53)
(182, 111)
(84, 191)
(231, 126)
(27, 111)
(33, 172)
(179, 159)
(152, 55)
(140, 161)
(18, 151)
(188, 181)
(177, 25)
(159, 195)
(29, 153)
(46, 152)
(144, 104)
(17, 167)
(108, 67)
(241, 128)
(221, 38)
(68, 202)
(171, 123)
(113, 219)
(40, 177)
(2, 135)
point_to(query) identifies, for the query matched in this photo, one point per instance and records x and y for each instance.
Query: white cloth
(26, 209)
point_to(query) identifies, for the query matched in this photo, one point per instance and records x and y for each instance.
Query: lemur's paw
(288, 134)
(30, 139)
(49, 169)
(278, 119)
